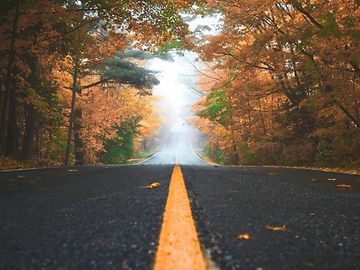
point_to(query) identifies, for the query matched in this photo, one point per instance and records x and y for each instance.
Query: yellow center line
(179, 246)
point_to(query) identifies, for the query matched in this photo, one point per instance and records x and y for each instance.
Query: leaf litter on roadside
(153, 185)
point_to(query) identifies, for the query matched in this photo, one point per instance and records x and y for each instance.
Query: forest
(74, 89)
(281, 83)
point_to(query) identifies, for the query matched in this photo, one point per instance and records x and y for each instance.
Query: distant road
(104, 217)
(177, 150)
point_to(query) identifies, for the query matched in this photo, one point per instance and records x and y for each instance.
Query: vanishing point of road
(201, 216)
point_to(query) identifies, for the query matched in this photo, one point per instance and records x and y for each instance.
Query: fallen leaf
(153, 185)
(243, 236)
(331, 179)
(344, 186)
(73, 170)
(20, 177)
(276, 228)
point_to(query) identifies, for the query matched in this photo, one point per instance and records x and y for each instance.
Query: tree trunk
(355, 121)
(37, 142)
(262, 118)
(30, 121)
(235, 155)
(10, 85)
(30, 111)
(78, 141)
(71, 120)
(12, 128)
(3, 122)
(145, 145)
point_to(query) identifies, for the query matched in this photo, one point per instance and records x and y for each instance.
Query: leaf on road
(276, 228)
(153, 185)
(331, 179)
(20, 177)
(243, 236)
(72, 170)
(344, 186)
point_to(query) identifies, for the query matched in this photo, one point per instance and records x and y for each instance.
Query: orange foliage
(292, 80)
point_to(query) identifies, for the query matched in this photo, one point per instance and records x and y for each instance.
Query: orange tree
(292, 80)
(46, 37)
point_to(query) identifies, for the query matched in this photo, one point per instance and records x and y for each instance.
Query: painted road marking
(192, 150)
(179, 246)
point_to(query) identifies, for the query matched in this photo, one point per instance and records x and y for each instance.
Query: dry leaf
(331, 179)
(244, 236)
(276, 228)
(344, 186)
(153, 185)
(20, 177)
(73, 170)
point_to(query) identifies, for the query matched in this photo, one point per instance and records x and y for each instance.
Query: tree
(46, 41)
(292, 71)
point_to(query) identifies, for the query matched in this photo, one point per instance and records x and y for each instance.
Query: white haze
(178, 78)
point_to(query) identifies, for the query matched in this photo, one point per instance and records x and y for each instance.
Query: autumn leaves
(283, 83)
(284, 75)
(66, 96)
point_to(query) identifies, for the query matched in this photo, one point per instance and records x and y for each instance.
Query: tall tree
(304, 57)
(81, 35)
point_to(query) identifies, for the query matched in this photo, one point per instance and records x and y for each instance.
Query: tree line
(70, 85)
(283, 83)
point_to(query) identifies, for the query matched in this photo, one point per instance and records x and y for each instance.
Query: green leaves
(36, 100)
(171, 45)
(125, 72)
(330, 26)
(217, 108)
(121, 147)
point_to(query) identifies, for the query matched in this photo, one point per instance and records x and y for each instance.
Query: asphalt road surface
(104, 217)
(177, 150)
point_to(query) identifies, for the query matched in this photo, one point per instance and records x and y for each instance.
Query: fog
(178, 92)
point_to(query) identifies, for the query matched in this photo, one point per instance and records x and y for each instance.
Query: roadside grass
(140, 156)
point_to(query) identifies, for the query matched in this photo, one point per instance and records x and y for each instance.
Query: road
(105, 217)
(177, 149)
